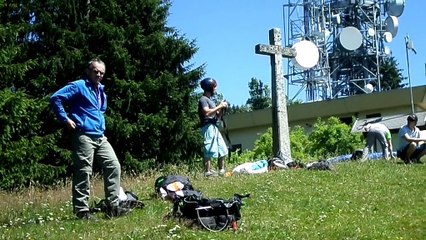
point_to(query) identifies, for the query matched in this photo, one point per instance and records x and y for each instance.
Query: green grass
(371, 200)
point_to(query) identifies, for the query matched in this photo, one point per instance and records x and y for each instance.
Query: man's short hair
(98, 60)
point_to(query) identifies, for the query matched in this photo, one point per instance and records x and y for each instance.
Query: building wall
(246, 128)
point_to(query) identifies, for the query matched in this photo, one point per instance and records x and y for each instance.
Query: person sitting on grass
(411, 146)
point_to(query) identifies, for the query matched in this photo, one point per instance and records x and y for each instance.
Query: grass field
(371, 200)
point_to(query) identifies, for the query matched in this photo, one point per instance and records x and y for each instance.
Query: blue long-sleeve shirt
(86, 106)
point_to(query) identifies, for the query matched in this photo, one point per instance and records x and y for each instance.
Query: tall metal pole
(409, 75)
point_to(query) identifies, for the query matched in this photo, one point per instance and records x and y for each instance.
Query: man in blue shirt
(87, 104)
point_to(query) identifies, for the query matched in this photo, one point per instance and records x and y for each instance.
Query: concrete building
(390, 108)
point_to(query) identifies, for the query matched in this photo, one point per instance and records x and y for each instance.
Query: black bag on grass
(129, 202)
(132, 201)
(214, 214)
(173, 187)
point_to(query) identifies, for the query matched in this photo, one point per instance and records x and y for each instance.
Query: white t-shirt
(411, 133)
(379, 128)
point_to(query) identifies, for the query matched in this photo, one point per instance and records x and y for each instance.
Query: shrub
(328, 138)
(299, 143)
(332, 137)
(263, 146)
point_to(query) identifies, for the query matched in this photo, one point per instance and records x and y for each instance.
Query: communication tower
(340, 44)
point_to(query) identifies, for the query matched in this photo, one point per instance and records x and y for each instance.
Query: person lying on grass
(260, 166)
(263, 166)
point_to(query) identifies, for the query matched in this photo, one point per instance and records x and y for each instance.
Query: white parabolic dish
(350, 38)
(307, 55)
(395, 7)
(392, 25)
(388, 37)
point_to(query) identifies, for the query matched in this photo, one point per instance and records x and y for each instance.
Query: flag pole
(408, 72)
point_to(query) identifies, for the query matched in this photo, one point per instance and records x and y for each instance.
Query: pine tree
(259, 95)
(151, 116)
(391, 75)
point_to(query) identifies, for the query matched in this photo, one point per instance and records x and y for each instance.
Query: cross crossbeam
(275, 50)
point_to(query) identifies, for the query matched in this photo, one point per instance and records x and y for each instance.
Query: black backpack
(174, 187)
(214, 214)
(131, 202)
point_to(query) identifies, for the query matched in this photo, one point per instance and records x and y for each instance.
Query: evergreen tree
(238, 109)
(259, 95)
(151, 115)
(391, 75)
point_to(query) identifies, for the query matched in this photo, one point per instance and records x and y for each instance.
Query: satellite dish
(366, 2)
(368, 88)
(307, 55)
(327, 33)
(394, 7)
(387, 51)
(388, 37)
(371, 32)
(391, 25)
(350, 38)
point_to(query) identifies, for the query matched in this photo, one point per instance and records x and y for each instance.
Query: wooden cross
(280, 131)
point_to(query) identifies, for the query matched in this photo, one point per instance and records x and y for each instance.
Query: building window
(374, 115)
(236, 148)
(346, 120)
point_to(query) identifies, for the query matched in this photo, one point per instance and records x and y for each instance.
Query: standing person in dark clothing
(209, 114)
(87, 104)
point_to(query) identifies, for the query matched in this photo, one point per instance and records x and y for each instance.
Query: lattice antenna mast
(350, 37)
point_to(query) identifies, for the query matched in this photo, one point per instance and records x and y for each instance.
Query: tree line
(151, 117)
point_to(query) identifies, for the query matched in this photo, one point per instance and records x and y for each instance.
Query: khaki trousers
(86, 150)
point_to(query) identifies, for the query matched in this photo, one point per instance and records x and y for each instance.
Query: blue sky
(226, 32)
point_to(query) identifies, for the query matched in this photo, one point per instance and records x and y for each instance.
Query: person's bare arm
(212, 111)
(414, 139)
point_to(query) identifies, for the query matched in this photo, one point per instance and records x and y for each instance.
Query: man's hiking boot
(116, 211)
(417, 161)
(210, 174)
(295, 165)
(407, 161)
(85, 215)
(222, 172)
